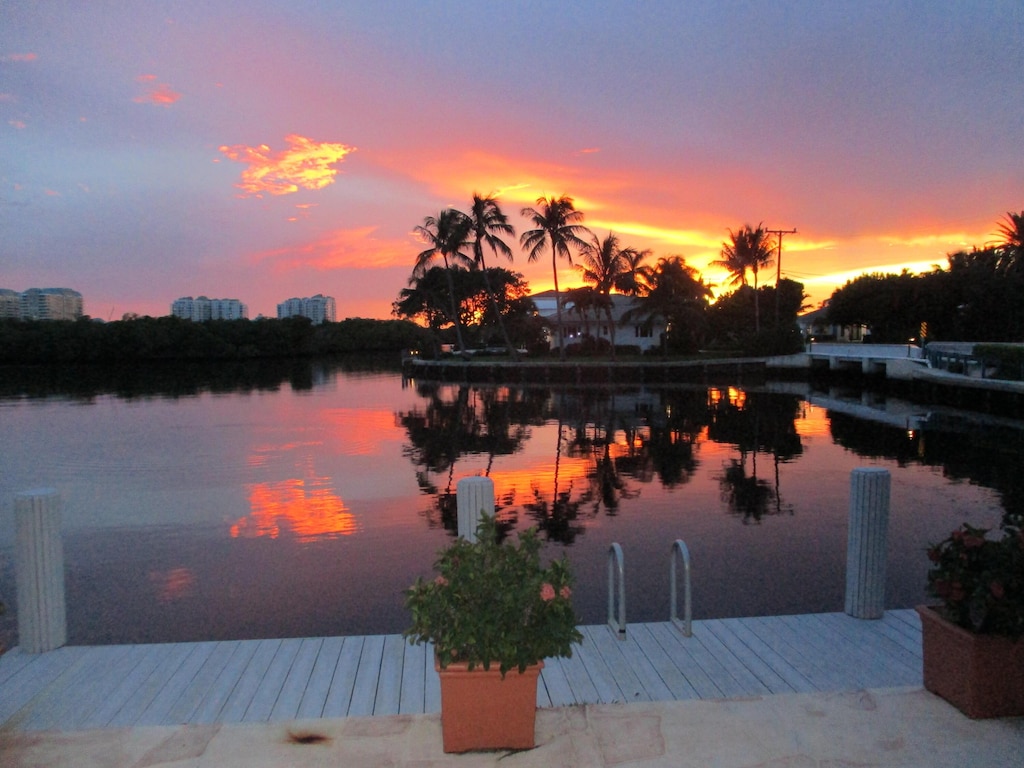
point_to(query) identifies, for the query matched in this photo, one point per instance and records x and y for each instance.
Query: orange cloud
(305, 164)
(518, 181)
(675, 237)
(342, 249)
(160, 94)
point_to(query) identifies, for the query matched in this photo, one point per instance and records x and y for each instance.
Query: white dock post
(866, 545)
(39, 569)
(473, 496)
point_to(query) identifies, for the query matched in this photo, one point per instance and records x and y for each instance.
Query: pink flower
(547, 592)
(565, 592)
(998, 592)
(441, 581)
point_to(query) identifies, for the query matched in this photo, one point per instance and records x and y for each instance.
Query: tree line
(454, 293)
(171, 338)
(979, 296)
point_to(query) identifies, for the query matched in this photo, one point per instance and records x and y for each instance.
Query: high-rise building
(203, 308)
(317, 308)
(10, 304)
(41, 304)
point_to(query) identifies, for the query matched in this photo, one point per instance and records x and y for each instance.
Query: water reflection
(182, 378)
(291, 511)
(306, 508)
(607, 445)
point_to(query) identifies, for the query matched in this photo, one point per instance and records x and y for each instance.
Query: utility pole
(778, 266)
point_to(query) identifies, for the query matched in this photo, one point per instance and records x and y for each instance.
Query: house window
(643, 332)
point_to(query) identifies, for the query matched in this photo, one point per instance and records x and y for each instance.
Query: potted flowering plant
(493, 614)
(972, 640)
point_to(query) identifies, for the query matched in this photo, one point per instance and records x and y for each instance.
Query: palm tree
(637, 278)
(487, 224)
(447, 237)
(603, 264)
(751, 250)
(557, 225)
(678, 296)
(1011, 230)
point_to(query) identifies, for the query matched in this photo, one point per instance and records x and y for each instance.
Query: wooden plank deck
(269, 680)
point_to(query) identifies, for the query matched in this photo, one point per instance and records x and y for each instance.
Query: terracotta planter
(981, 675)
(480, 710)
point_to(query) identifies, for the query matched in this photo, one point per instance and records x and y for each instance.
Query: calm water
(266, 502)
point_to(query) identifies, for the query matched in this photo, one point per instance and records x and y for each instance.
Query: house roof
(620, 305)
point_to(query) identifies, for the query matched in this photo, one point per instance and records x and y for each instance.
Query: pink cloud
(19, 57)
(19, 124)
(341, 249)
(161, 94)
(305, 164)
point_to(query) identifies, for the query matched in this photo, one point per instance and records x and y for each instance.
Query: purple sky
(262, 150)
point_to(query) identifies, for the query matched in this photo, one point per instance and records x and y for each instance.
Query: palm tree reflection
(755, 424)
(608, 445)
(459, 421)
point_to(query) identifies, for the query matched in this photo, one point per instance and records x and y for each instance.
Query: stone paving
(879, 727)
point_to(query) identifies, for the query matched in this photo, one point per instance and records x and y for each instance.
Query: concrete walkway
(879, 727)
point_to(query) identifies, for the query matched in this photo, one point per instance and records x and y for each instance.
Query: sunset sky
(262, 150)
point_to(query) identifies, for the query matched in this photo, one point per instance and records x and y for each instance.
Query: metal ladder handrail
(684, 625)
(615, 563)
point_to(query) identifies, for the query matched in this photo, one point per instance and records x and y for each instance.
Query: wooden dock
(83, 687)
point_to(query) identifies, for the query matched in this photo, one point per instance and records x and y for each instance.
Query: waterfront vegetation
(470, 306)
(977, 297)
(160, 339)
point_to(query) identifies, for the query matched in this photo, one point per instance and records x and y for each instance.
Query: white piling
(39, 569)
(473, 496)
(867, 542)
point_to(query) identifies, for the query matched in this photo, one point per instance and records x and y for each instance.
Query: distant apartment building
(201, 308)
(10, 304)
(317, 308)
(41, 304)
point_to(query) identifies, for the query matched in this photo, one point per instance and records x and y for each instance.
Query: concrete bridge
(888, 359)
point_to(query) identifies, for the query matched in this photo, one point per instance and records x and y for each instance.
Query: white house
(593, 322)
(814, 325)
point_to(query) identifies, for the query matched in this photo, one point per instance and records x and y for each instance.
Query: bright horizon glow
(171, 161)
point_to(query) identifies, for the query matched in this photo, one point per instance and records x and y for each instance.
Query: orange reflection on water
(737, 398)
(173, 584)
(360, 431)
(540, 477)
(262, 453)
(307, 508)
(813, 421)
